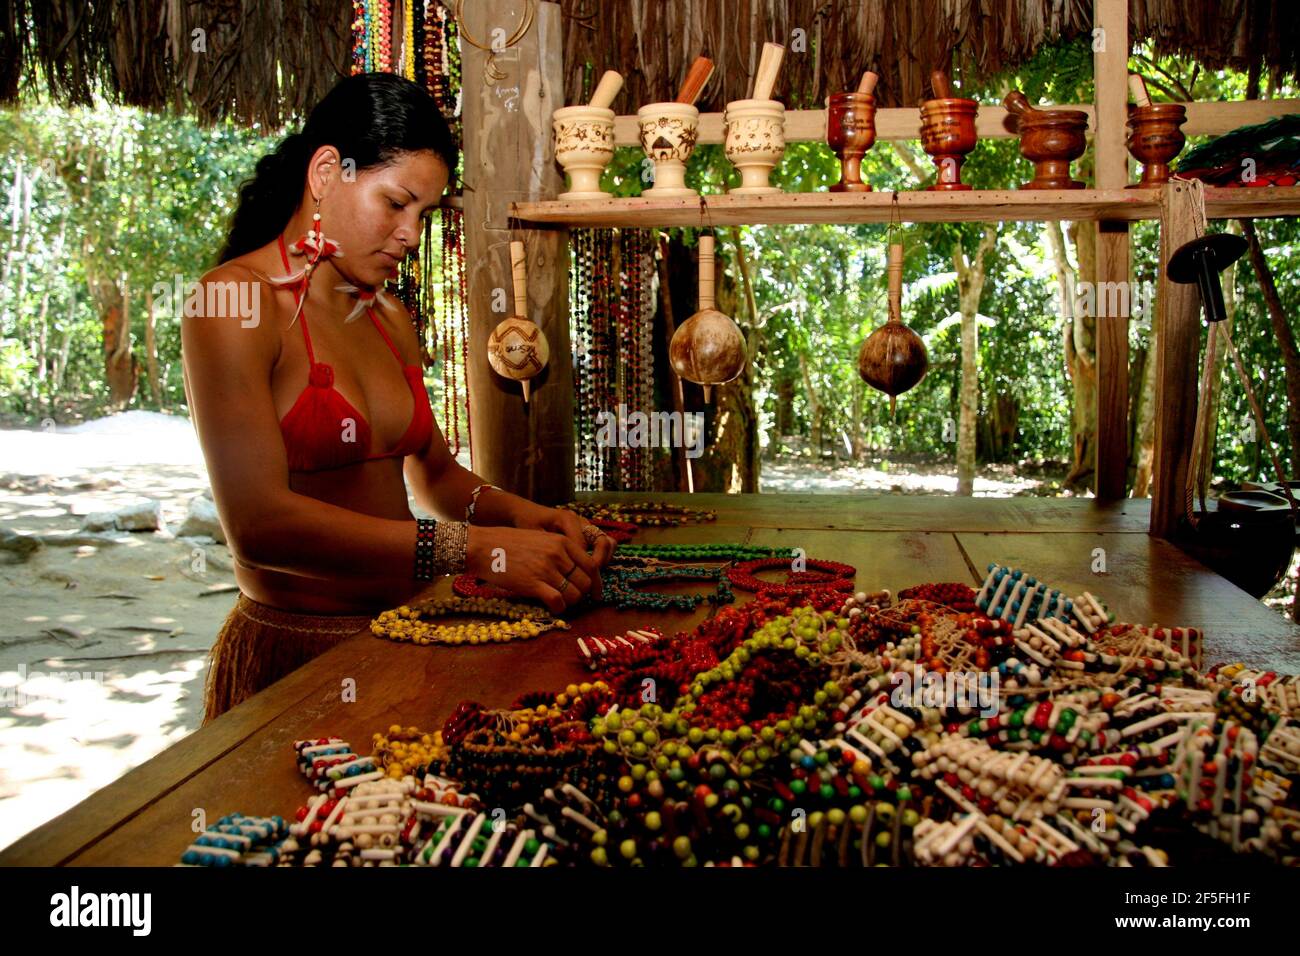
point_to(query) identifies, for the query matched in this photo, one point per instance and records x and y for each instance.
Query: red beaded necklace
(825, 575)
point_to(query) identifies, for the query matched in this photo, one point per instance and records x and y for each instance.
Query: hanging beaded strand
(360, 38)
(408, 40)
(384, 36)
(647, 277)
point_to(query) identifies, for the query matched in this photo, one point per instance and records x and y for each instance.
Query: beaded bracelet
(473, 500)
(440, 548)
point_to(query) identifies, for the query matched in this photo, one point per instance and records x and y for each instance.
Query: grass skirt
(259, 644)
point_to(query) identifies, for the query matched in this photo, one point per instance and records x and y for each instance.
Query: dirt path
(102, 645)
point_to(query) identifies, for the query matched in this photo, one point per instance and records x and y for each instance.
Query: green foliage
(121, 200)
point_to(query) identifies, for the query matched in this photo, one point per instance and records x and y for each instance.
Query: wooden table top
(242, 762)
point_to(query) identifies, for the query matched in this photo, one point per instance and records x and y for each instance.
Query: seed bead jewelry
(823, 575)
(620, 587)
(645, 513)
(703, 552)
(519, 622)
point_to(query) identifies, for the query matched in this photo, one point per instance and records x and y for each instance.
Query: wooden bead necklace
(519, 622)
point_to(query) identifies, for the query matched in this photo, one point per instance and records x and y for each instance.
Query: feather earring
(315, 247)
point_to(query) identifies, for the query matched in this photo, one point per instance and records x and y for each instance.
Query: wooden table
(242, 761)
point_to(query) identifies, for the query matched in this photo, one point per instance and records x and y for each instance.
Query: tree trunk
(1285, 339)
(970, 285)
(858, 387)
(151, 352)
(814, 408)
(1079, 345)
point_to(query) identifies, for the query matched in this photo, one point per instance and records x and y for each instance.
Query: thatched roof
(267, 60)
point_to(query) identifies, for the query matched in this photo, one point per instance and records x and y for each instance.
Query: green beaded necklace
(619, 585)
(703, 552)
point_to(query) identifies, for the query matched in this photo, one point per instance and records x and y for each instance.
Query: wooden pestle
(768, 68)
(940, 85)
(696, 78)
(1138, 87)
(867, 85)
(1016, 102)
(606, 90)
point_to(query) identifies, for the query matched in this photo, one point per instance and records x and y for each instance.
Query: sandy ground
(103, 644)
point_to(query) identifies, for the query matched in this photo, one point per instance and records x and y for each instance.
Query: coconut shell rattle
(517, 349)
(893, 358)
(708, 348)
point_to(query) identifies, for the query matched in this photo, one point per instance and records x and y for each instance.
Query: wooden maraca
(708, 348)
(517, 349)
(893, 358)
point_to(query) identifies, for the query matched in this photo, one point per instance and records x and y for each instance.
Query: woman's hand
(571, 525)
(533, 563)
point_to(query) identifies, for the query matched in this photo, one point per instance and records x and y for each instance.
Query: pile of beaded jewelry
(516, 622)
(645, 513)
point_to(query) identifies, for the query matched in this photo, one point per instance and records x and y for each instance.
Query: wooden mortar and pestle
(893, 358)
(947, 132)
(708, 348)
(851, 131)
(669, 131)
(1155, 134)
(517, 349)
(1050, 139)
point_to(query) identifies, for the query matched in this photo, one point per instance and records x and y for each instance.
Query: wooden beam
(1110, 75)
(981, 205)
(1178, 339)
(904, 123)
(509, 155)
(977, 205)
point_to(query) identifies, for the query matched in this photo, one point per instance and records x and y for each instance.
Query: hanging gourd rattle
(893, 358)
(708, 348)
(517, 349)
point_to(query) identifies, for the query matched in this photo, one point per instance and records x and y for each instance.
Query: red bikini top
(324, 430)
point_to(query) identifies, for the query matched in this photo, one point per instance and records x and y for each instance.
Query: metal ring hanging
(489, 67)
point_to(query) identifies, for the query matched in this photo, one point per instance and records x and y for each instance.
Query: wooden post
(1113, 292)
(509, 96)
(1178, 340)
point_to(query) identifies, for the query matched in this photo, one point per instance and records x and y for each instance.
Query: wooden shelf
(982, 205)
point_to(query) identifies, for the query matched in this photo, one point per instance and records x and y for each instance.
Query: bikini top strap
(380, 326)
(297, 296)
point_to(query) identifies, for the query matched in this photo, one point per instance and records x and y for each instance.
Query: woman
(314, 425)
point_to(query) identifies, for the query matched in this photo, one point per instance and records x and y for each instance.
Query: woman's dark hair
(369, 118)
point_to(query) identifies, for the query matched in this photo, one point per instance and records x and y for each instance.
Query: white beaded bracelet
(473, 499)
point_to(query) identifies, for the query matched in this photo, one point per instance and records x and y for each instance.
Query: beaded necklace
(703, 552)
(519, 622)
(621, 587)
(648, 513)
(824, 575)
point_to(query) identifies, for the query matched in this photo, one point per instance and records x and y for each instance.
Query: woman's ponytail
(268, 199)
